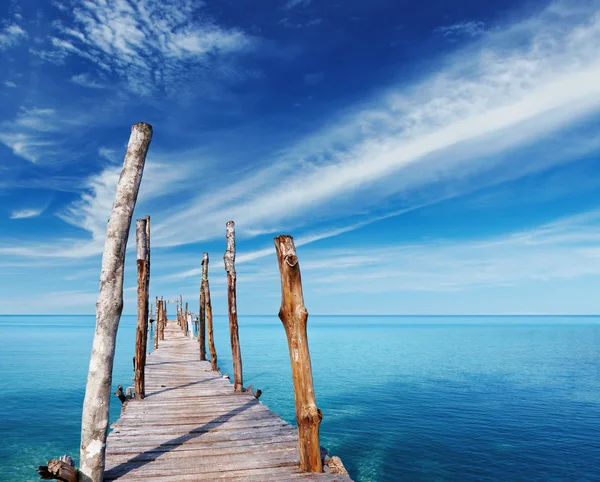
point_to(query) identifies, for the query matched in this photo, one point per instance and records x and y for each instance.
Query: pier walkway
(192, 426)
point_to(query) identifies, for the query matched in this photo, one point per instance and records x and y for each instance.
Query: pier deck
(192, 426)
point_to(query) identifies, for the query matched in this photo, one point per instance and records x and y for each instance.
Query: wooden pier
(183, 420)
(193, 426)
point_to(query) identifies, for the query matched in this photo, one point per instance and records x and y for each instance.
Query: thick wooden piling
(96, 403)
(202, 311)
(236, 354)
(294, 317)
(142, 320)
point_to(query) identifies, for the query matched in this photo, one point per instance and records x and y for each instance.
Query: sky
(428, 158)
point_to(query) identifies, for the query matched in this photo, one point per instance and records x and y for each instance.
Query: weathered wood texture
(294, 317)
(191, 426)
(141, 336)
(94, 422)
(236, 354)
(202, 311)
(209, 318)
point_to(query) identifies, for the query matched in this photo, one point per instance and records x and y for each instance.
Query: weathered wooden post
(180, 311)
(163, 317)
(209, 318)
(156, 324)
(185, 323)
(142, 320)
(94, 423)
(294, 316)
(236, 355)
(202, 311)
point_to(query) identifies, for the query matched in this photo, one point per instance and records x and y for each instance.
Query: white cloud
(290, 4)
(26, 213)
(562, 250)
(513, 88)
(28, 146)
(460, 29)
(153, 44)
(86, 80)
(11, 36)
(9, 84)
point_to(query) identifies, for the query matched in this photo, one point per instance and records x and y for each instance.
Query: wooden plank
(193, 426)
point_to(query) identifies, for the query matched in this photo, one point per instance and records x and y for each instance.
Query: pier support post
(156, 323)
(185, 323)
(202, 311)
(209, 318)
(163, 317)
(236, 355)
(142, 320)
(94, 423)
(294, 317)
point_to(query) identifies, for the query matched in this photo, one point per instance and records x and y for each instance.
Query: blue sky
(432, 158)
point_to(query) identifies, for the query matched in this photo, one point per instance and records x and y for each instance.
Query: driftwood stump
(294, 317)
(94, 424)
(62, 469)
(236, 354)
(209, 317)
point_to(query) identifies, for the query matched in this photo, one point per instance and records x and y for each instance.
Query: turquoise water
(404, 398)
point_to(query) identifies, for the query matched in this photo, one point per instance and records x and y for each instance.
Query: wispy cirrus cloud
(151, 45)
(86, 80)
(561, 250)
(461, 29)
(517, 85)
(27, 213)
(290, 4)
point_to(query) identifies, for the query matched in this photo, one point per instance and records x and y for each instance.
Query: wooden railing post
(142, 320)
(236, 355)
(180, 311)
(294, 317)
(202, 311)
(209, 318)
(94, 422)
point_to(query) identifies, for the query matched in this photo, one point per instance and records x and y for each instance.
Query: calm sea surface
(403, 398)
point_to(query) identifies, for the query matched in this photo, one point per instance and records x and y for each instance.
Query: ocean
(403, 398)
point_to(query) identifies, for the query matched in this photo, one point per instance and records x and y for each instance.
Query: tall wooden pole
(236, 355)
(180, 311)
(142, 320)
(202, 314)
(156, 324)
(94, 421)
(185, 323)
(209, 319)
(294, 317)
(163, 317)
